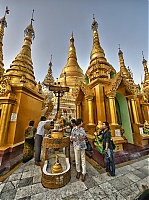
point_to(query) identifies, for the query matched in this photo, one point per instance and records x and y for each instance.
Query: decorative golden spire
(146, 73)
(99, 67)
(97, 51)
(49, 80)
(3, 24)
(72, 69)
(21, 69)
(123, 70)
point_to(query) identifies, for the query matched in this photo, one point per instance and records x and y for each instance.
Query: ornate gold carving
(131, 87)
(5, 87)
(49, 110)
(116, 84)
(145, 94)
(23, 79)
(85, 89)
(39, 88)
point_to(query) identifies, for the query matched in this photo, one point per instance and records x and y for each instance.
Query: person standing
(78, 136)
(28, 151)
(107, 148)
(38, 138)
(72, 125)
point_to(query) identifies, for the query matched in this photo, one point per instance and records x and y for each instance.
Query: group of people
(78, 137)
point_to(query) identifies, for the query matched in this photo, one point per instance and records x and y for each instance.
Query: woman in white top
(78, 136)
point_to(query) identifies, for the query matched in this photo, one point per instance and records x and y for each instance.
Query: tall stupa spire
(3, 24)
(97, 51)
(72, 69)
(21, 69)
(49, 80)
(146, 73)
(99, 67)
(123, 70)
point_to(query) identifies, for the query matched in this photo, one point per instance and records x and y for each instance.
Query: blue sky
(123, 22)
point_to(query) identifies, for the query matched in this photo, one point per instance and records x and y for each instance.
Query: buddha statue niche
(98, 138)
(58, 131)
(57, 168)
(98, 127)
(146, 127)
(60, 120)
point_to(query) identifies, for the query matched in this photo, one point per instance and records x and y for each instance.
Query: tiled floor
(25, 184)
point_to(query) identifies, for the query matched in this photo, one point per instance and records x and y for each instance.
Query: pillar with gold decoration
(78, 109)
(134, 109)
(112, 107)
(91, 125)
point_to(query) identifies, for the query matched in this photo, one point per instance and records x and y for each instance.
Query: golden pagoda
(48, 95)
(70, 76)
(113, 97)
(19, 100)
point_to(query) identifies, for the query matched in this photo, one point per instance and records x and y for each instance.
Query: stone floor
(25, 184)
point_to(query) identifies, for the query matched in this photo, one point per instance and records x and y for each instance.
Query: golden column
(78, 109)
(134, 109)
(100, 104)
(112, 107)
(90, 110)
(146, 111)
(5, 118)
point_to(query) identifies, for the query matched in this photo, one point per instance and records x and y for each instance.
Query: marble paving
(25, 184)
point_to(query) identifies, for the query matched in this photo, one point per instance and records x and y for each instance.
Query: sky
(123, 22)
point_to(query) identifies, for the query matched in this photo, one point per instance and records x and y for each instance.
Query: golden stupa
(57, 167)
(48, 104)
(70, 75)
(18, 92)
(113, 96)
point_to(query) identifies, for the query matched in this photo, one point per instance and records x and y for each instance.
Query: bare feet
(37, 163)
(83, 177)
(78, 175)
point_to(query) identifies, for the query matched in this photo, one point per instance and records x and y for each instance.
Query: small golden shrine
(57, 167)
(113, 96)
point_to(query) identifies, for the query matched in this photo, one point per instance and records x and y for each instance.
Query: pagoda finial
(93, 17)
(119, 50)
(119, 46)
(144, 62)
(29, 30)
(32, 19)
(6, 11)
(3, 22)
(50, 64)
(142, 54)
(94, 23)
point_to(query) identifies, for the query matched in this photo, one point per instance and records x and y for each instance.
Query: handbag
(89, 146)
(112, 144)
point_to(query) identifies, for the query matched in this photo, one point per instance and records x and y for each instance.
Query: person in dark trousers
(107, 148)
(38, 138)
